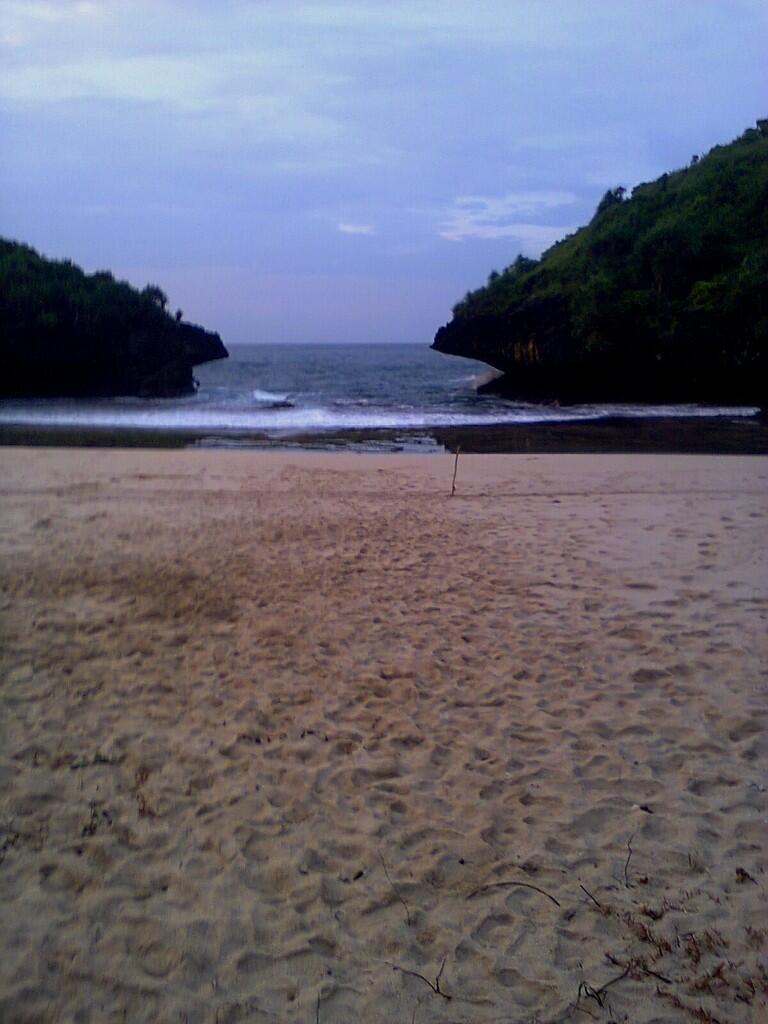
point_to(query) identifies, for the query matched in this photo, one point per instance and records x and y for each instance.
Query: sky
(345, 171)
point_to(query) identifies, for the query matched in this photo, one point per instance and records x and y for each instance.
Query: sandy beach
(295, 737)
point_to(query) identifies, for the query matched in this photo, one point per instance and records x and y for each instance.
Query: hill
(64, 332)
(663, 296)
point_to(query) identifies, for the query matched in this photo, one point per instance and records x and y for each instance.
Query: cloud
(133, 78)
(24, 20)
(356, 229)
(533, 238)
(40, 11)
(492, 22)
(182, 79)
(228, 101)
(489, 217)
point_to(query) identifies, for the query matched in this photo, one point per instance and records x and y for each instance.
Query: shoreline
(681, 435)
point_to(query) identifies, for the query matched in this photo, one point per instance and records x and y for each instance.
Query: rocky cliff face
(151, 362)
(541, 361)
(531, 345)
(201, 346)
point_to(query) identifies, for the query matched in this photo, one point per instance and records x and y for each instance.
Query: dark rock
(202, 346)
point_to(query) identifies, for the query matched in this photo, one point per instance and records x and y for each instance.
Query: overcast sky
(345, 171)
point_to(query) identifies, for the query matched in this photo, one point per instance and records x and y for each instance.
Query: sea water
(303, 394)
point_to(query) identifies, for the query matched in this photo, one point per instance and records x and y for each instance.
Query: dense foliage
(663, 295)
(64, 332)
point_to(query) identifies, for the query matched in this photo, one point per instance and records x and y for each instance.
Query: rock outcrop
(66, 333)
(663, 297)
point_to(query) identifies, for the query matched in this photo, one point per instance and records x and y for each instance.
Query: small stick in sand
(507, 885)
(629, 858)
(395, 891)
(592, 993)
(455, 468)
(435, 986)
(640, 965)
(594, 899)
(598, 993)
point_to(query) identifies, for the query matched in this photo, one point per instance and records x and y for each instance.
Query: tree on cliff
(66, 332)
(611, 198)
(663, 295)
(156, 296)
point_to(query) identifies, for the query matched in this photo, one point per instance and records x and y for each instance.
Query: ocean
(360, 397)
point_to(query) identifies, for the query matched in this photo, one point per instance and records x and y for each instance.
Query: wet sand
(723, 435)
(293, 737)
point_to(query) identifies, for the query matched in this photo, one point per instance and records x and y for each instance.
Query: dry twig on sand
(594, 899)
(597, 993)
(629, 858)
(435, 986)
(509, 885)
(395, 890)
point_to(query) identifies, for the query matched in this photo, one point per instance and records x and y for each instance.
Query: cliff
(67, 333)
(663, 296)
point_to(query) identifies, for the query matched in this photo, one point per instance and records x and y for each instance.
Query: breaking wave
(188, 417)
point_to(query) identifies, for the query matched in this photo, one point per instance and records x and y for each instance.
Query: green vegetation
(664, 295)
(64, 332)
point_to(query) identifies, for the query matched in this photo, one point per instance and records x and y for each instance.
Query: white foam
(479, 379)
(268, 396)
(186, 417)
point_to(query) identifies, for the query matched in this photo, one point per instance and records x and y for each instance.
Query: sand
(293, 737)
